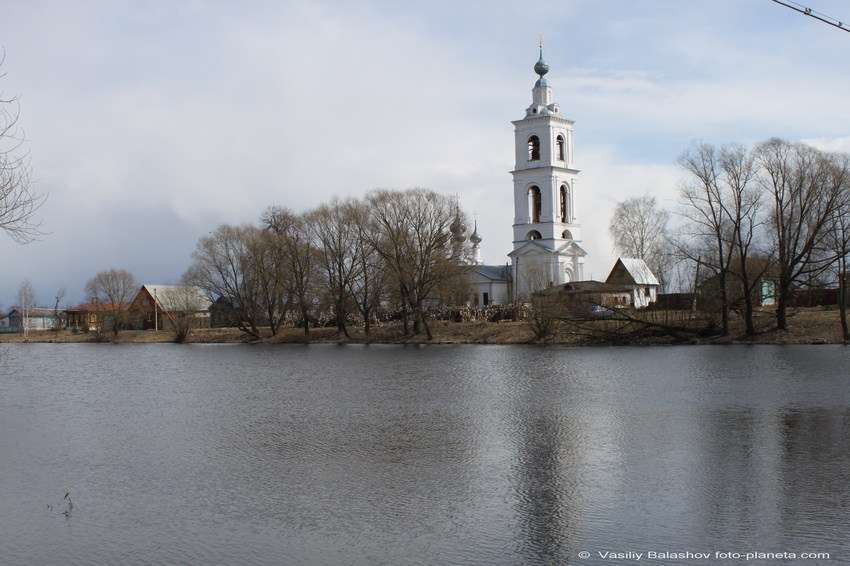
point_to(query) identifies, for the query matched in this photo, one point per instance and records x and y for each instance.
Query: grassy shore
(807, 326)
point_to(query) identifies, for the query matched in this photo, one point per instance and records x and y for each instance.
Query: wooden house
(33, 318)
(91, 315)
(636, 276)
(155, 306)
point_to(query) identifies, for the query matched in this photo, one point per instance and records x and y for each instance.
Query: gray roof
(175, 298)
(639, 271)
(493, 272)
(34, 312)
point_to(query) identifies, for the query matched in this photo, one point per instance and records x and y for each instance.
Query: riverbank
(807, 326)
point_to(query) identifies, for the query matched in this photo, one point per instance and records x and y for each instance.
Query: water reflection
(439, 455)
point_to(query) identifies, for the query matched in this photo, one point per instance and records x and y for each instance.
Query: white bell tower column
(546, 229)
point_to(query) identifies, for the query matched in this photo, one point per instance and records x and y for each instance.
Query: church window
(567, 235)
(533, 235)
(562, 148)
(565, 209)
(534, 203)
(534, 148)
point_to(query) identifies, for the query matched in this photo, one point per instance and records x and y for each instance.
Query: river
(373, 454)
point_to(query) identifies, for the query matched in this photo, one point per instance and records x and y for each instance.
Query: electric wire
(813, 14)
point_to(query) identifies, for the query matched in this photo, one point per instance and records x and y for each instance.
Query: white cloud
(149, 124)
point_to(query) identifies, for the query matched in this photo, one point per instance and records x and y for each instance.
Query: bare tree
(336, 240)
(267, 264)
(183, 306)
(706, 234)
(298, 257)
(113, 290)
(545, 313)
(18, 200)
(26, 302)
(368, 286)
(58, 315)
(743, 207)
(224, 265)
(806, 188)
(412, 235)
(839, 241)
(639, 230)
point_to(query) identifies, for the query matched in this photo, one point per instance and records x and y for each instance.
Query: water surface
(323, 454)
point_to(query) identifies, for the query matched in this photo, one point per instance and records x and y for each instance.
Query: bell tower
(546, 229)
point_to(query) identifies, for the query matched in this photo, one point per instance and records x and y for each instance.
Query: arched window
(534, 148)
(562, 148)
(567, 235)
(534, 203)
(565, 208)
(533, 235)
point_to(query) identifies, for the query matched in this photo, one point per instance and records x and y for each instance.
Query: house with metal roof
(155, 305)
(635, 275)
(34, 318)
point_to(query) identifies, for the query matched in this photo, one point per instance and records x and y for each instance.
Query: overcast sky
(150, 123)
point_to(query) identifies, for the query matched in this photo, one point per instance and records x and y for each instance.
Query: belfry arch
(535, 203)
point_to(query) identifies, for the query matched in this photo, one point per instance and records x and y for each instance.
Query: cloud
(150, 124)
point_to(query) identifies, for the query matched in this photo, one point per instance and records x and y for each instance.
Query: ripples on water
(233, 454)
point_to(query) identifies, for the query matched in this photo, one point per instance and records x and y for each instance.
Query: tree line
(777, 209)
(353, 257)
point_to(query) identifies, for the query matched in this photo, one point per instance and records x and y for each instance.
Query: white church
(547, 249)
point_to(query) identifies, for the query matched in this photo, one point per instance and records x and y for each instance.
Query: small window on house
(646, 291)
(562, 148)
(534, 148)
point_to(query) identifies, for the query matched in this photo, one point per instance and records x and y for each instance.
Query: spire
(541, 95)
(541, 67)
(475, 238)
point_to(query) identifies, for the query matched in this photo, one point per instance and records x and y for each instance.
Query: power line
(816, 15)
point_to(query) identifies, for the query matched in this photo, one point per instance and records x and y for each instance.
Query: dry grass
(806, 326)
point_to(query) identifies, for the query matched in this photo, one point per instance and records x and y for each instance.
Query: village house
(91, 316)
(34, 318)
(635, 275)
(155, 307)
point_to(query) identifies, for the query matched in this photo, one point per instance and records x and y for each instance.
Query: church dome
(541, 67)
(475, 238)
(457, 226)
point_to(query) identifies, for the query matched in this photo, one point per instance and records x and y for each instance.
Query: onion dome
(457, 228)
(541, 67)
(475, 238)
